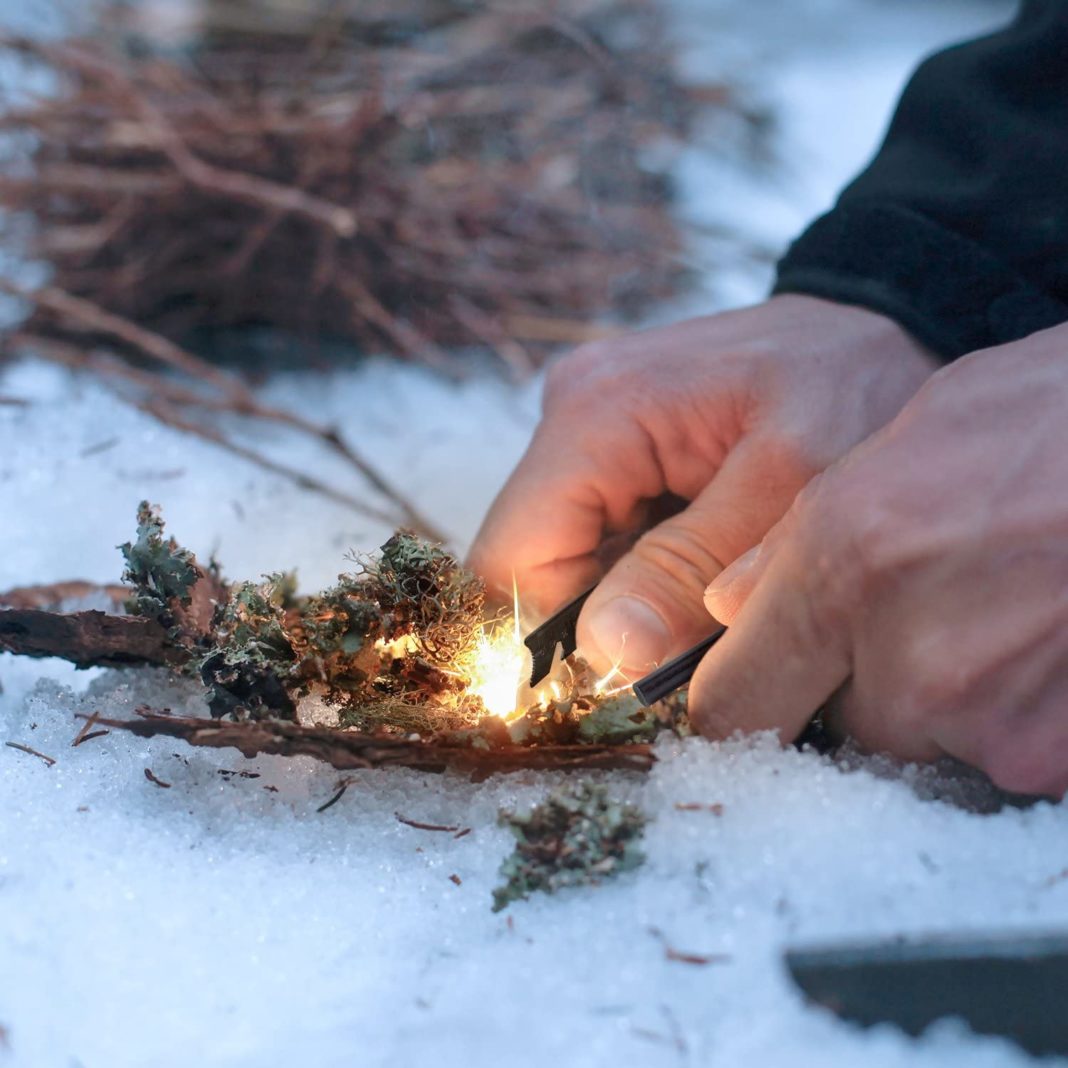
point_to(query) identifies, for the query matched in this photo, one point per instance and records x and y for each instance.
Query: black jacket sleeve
(958, 229)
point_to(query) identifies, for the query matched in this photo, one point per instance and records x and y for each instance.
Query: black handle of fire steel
(675, 673)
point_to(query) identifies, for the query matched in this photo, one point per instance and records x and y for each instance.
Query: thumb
(650, 605)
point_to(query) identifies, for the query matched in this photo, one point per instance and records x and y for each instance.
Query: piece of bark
(86, 639)
(348, 751)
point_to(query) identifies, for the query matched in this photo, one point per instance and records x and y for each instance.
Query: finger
(787, 652)
(573, 486)
(730, 589)
(650, 606)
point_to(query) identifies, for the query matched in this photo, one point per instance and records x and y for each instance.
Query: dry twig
(349, 751)
(32, 752)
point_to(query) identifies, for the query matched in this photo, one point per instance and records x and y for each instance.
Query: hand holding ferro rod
(559, 629)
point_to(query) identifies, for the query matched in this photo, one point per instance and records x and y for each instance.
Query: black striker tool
(559, 629)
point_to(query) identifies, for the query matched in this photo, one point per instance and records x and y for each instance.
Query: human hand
(923, 581)
(732, 412)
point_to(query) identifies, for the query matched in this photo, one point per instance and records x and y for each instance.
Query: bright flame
(499, 664)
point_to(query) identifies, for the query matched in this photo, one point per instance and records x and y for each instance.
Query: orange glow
(499, 664)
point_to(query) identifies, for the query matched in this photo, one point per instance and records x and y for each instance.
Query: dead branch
(348, 752)
(86, 639)
(162, 397)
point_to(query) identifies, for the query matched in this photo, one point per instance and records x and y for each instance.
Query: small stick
(682, 957)
(427, 826)
(152, 778)
(345, 783)
(237, 399)
(166, 414)
(89, 724)
(33, 752)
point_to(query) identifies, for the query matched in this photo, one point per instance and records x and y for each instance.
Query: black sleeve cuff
(950, 293)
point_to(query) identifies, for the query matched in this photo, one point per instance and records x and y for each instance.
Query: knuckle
(791, 457)
(680, 551)
(863, 545)
(937, 682)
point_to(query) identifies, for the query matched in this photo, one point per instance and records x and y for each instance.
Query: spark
(602, 687)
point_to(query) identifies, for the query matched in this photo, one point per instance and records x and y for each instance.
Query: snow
(224, 921)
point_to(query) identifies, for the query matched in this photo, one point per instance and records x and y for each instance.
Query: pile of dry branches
(408, 177)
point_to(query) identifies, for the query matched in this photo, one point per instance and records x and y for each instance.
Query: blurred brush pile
(407, 175)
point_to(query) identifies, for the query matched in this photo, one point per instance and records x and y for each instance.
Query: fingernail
(632, 630)
(718, 587)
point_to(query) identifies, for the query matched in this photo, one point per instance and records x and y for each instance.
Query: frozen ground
(224, 922)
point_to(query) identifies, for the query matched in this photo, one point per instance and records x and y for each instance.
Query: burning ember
(501, 664)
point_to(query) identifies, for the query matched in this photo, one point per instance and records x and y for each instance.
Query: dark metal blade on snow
(558, 629)
(1000, 985)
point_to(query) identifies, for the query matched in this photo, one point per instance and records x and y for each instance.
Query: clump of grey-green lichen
(382, 644)
(577, 836)
(248, 666)
(169, 585)
(387, 647)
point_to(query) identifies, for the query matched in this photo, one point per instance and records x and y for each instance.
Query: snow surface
(223, 921)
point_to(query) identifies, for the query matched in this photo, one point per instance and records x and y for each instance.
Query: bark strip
(350, 751)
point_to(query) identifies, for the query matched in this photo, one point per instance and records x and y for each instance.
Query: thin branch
(235, 185)
(237, 399)
(349, 751)
(86, 639)
(32, 752)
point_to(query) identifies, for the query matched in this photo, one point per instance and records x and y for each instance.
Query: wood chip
(695, 958)
(698, 806)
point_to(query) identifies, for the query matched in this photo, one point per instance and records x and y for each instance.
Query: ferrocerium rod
(675, 673)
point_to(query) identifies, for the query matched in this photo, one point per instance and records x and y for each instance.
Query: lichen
(391, 646)
(385, 644)
(159, 569)
(617, 720)
(577, 836)
(425, 592)
(584, 719)
(252, 656)
(170, 587)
